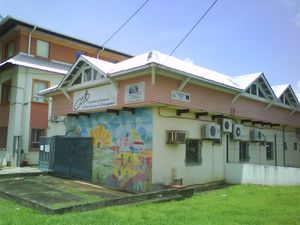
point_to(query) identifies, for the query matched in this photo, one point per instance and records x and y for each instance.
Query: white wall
(19, 121)
(262, 174)
(168, 156)
(257, 152)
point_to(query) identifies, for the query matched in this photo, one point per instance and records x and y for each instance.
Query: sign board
(94, 98)
(180, 96)
(47, 148)
(135, 92)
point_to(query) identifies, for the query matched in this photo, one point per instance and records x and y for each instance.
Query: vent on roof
(149, 55)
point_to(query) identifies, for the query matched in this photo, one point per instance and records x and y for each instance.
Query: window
(295, 146)
(269, 151)
(193, 151)
(38, 85)
(35, 137)
(42, 48)
(256, 90)
(6, 92)
(88, 74)
(244, 151)
(3, 137)
(9, 49)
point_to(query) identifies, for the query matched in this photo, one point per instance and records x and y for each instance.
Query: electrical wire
(124, 24)
(190, 31)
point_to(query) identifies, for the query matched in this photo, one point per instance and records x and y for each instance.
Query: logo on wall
(98, 97)
(135, 92)
(180, 96)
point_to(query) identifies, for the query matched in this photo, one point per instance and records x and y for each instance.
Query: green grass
(240, 204)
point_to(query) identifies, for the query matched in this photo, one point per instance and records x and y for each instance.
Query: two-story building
(33, 58)
(156, 119)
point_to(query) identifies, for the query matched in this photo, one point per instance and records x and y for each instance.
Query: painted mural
(122, 147)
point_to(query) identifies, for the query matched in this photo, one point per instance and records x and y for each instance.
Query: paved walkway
(18, 170)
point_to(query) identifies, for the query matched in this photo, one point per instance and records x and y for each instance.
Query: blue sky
(235, 38)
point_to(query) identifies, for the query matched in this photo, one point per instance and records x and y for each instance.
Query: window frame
(268, 145)
(195, 162)
(9, 49)
(247, 153)
(33, 91)
(3, 137)
(81, 76)
(39, 50)
(36, 142)
(7, 96)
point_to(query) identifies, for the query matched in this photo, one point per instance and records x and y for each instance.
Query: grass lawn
(241, 204)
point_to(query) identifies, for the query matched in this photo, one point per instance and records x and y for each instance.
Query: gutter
(29, 40)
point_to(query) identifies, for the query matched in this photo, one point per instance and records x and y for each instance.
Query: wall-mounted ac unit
(176, 137)
(256, 135)
(237, 132)
(226, 125)
(211, 131)
(55, 118)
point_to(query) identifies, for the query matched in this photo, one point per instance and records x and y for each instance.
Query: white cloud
(188, 60)
(289, 4)
(296, 20)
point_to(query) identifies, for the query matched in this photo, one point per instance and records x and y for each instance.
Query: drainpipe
(284, 145)
(29, 40)
(0, 51)
(99, 51)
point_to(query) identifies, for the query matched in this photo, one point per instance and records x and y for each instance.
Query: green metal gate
(68, 156)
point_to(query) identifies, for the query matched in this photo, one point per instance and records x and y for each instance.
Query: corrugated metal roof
(279, 89)
(245, 81)
(101, 65)
(173, 63)
(36, 63)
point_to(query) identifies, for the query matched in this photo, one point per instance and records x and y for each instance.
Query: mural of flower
(101, 136)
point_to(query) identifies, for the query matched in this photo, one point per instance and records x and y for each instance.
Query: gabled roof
(287, 90)
(245, 81)
(279, 89)
(36, 63)
(161, 61)
(100, 65)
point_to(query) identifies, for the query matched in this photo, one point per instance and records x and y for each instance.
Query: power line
(190, 31)
(124, 23)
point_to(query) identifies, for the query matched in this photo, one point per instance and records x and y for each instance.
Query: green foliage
(241, 204)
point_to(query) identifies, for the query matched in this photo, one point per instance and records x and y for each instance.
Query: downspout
(284, 144)
(0, 51)
(98, 52)
(29, 40)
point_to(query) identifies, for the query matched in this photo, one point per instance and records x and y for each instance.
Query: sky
(236, 37)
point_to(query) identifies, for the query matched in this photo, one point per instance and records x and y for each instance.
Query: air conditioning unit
(256, 135)
(211, 131)
(176, 137)
(226, 125)
(55, 118)
(237, 132)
